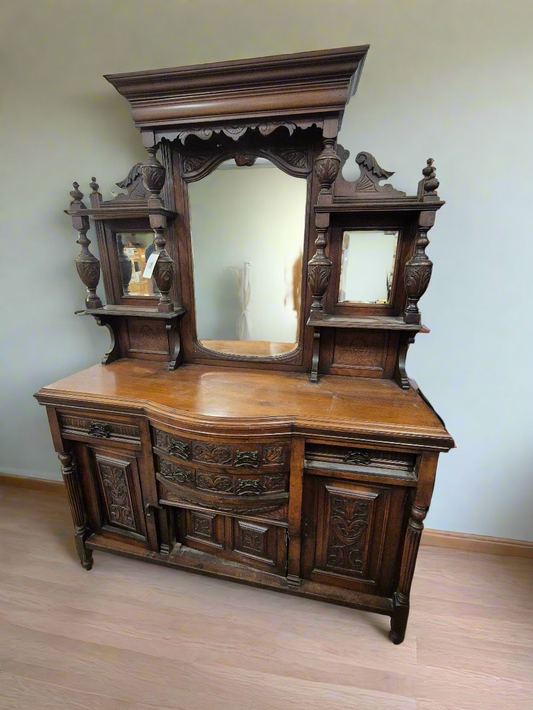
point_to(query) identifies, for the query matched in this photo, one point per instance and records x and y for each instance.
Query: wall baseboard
(35, 484)
(434, 538)
(478, 543)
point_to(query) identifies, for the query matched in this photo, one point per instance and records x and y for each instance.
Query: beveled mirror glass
(367, 267)
(133, 250)
(247, 227)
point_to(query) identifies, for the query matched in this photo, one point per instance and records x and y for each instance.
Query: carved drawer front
(246, 455)
(119, 494)
(350, 533)
(362, 461)
(253, 544)
(224, 490)
(90, 428)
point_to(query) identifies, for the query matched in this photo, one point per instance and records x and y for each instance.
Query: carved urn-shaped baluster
(154, 179)
(327, 165)
(319, 272)
(87, 265)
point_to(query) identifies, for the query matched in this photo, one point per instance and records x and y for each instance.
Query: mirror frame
(291, 149)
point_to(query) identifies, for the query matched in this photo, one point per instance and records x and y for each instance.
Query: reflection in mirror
(133, 249)
(247, 226)
(367, 268)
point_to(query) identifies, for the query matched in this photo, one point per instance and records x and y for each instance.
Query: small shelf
(369, 322)
(133, 312)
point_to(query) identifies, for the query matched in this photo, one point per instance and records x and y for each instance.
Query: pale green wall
(449, 79)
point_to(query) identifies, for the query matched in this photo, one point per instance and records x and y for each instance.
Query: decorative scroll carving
(402, 376)
(294, 161)
(371, 175)
(117, 494)
(418, 269)
(214, 482)
(246, 458)
(427, 187)
(212, 453)
(175, 474)
(348, 525)
(358, 457)
(133, 183)
(249, 487)
(100, 430)
(273, 483)
(273, 455)
(87, 265)
(237, 131)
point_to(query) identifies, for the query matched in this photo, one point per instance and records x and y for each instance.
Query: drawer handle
(361, 458)
(100, 430)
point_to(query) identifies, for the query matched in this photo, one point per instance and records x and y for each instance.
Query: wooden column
(87, 265)
(77, 507)
(154, 179)
(427, 469)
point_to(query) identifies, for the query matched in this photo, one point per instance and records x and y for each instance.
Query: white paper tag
(150, 265)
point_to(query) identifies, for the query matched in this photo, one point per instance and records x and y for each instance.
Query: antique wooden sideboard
(302, 460)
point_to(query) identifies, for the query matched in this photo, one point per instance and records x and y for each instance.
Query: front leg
(77, 508)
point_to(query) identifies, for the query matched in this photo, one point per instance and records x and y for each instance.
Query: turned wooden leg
(77, 508)
(398, 623)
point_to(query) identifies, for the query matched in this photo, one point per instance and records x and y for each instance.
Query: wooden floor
(129, 635)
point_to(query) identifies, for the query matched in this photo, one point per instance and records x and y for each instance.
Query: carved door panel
(115, 494)
(254, 544)
(351, 533)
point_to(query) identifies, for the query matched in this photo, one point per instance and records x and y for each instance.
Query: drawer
(362, 462)
(87, 428)
(271, 456)
(224, 490)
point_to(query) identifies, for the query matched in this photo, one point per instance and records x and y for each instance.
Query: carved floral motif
(214, 482)
(100, 430)
(212, 453)
(253, 539)
(273, 455)
(347, 533)
(117, 494)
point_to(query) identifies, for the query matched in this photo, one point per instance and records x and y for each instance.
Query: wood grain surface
(129, 636)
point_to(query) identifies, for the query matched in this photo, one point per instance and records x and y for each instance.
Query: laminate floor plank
(133, 636)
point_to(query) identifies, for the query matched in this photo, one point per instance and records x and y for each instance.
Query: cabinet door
(114, 500)
(351, 533)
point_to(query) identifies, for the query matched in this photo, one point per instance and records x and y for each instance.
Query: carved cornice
(319, 83)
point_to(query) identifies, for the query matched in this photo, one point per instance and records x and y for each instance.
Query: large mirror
(247, 226)
(133, 250)
(367, 267)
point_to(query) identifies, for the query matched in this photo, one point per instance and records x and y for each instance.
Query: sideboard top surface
(251, 399)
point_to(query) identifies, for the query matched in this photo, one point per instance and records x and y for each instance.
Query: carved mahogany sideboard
(303, 467)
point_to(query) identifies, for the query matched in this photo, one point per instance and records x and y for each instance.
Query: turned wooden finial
(77, 197)
(427, 187)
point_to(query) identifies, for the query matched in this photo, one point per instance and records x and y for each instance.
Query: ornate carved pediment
(133, 183)
(368, 184)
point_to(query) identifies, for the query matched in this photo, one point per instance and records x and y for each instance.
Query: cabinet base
(210, 565)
